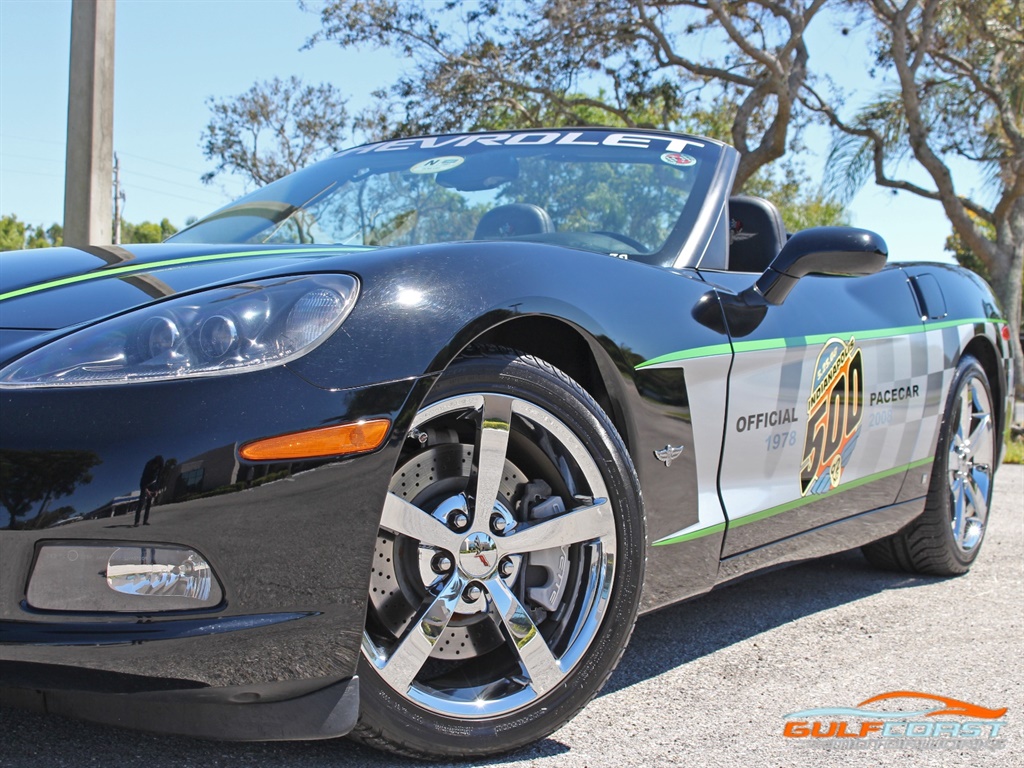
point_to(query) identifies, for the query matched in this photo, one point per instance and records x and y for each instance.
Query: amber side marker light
(320, 442)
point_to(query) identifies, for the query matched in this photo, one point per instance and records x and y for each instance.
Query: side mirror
(821, 251)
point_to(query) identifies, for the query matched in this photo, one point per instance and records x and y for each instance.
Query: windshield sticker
(438, 164)
(671, 145)
(681, 161)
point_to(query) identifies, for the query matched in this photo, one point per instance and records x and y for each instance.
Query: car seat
(513, 220)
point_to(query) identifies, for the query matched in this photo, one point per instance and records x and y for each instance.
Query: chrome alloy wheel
(495, 558)
(970, 465)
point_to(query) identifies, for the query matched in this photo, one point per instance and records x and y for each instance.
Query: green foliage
(953, 98)
(146, 232)
(55, 234)
(964, 256)
(1014, 448)
(801, 204)
(813, 209)
(12, 233)
(16, 235)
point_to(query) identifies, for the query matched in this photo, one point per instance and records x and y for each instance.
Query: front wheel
(946, 538)
(508, 564)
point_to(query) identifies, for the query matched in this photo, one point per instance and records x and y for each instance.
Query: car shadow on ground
(662, 641)
(747, 607)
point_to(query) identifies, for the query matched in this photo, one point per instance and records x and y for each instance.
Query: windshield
(627, 194)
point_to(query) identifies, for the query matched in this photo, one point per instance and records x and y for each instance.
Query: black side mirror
(821, 251)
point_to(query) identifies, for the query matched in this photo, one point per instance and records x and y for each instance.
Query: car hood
(56, 288)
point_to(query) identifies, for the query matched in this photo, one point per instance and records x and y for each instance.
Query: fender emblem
(669, 453)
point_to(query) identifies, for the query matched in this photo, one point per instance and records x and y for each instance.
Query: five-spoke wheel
(969, 464)
(508, 563)
(946, 538)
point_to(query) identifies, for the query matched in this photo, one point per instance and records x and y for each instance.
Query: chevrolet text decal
(665, 144)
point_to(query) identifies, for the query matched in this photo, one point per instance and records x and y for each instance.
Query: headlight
(227, 330)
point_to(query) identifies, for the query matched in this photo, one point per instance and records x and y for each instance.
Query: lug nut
(458, 521)
(506, 568)
(441, 564)
(472, 593)
(498, 523)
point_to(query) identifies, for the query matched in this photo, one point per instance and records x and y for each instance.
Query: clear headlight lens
(233, 329)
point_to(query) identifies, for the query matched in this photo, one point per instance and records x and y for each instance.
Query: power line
(35, 173)
(131, 174)
(126, 154)
(170, 194)
(160, 162)
(30, 157)
(27, 138)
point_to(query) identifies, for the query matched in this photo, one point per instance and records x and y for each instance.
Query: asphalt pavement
(707, 683)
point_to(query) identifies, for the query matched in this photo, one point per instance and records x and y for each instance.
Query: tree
(36, 238)
(571, 62)
(965, 257)
(12, 233)
(15, 235)
(620, 63)
(274, 128)
(957, 94)
(28, 477)
(55, 234)
(146, 232)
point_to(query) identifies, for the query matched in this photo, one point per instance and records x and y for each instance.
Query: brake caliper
(537, 504)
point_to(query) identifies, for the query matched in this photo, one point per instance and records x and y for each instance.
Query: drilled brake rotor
(401, 571)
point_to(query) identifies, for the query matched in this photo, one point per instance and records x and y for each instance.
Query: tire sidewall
(940, 500)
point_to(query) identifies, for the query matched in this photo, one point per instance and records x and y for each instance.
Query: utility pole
(118, 200)
(90, 147)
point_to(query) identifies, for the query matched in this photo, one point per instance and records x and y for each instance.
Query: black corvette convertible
(399, 445)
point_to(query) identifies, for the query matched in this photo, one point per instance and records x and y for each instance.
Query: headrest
(756, 233)
(513, 220)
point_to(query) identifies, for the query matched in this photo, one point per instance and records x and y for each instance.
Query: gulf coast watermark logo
(886, 721)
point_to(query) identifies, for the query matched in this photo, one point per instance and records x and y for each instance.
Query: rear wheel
(508, 564)
(946, 538)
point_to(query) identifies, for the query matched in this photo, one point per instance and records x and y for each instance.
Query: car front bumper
(290, 545)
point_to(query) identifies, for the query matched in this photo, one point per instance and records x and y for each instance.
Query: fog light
(121, 577)
(168, 573)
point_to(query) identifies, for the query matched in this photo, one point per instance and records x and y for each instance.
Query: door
(825, 399)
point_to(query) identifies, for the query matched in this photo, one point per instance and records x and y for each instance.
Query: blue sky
(172, 55)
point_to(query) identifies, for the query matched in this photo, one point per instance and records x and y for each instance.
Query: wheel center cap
(478, 555)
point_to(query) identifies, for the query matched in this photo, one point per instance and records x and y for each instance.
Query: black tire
(946, 538)
(490, 672)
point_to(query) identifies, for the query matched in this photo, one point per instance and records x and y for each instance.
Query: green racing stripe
(764, 514)
(715, 350)
(153, 265)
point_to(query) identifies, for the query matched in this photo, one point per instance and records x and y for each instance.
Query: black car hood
(46, 290)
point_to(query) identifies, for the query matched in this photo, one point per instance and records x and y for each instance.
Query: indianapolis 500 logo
(835, 410)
